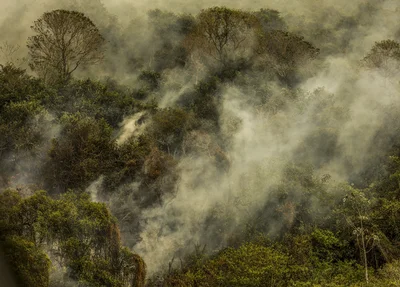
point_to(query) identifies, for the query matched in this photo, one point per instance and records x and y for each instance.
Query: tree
(9, 54)
(384, 55)
(24, 122)
(223, 34)
(23, 118)
(270, 20)
(64, 41)
(168, 128)
(80, 154)
(284, 52)
(30, 264)
(168, 31)
(358, 218)
(74, 236)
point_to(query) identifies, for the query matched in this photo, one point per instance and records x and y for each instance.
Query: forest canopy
(211, 146)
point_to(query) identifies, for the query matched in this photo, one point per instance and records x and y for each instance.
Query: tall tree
(64, 41)
(223, 34)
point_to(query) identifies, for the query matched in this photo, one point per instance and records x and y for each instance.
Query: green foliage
(326, 245)
(389, 275)
(80, 154)
(128, 162)
(30, 264)
(80, 234)
(25, 124)
(168, 127)
(23, 117)
(249, 265)
(307, 227)
(150, 79)
(17, 86)
(100, 100)
(204, 100)
(8, 202)
(254, 264)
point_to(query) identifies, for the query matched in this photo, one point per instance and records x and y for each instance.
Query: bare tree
(8, 54)
(64, 41)
(366, 236)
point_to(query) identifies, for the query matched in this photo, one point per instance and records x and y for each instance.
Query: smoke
(337, 120)
(127, 23)
(343, 101)
(93, 189)
(24, 166)
(261, 147)
(131, 126)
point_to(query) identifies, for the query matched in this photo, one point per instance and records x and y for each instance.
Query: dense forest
(208, 144)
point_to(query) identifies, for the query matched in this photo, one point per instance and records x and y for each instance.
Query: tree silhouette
(64, 41)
